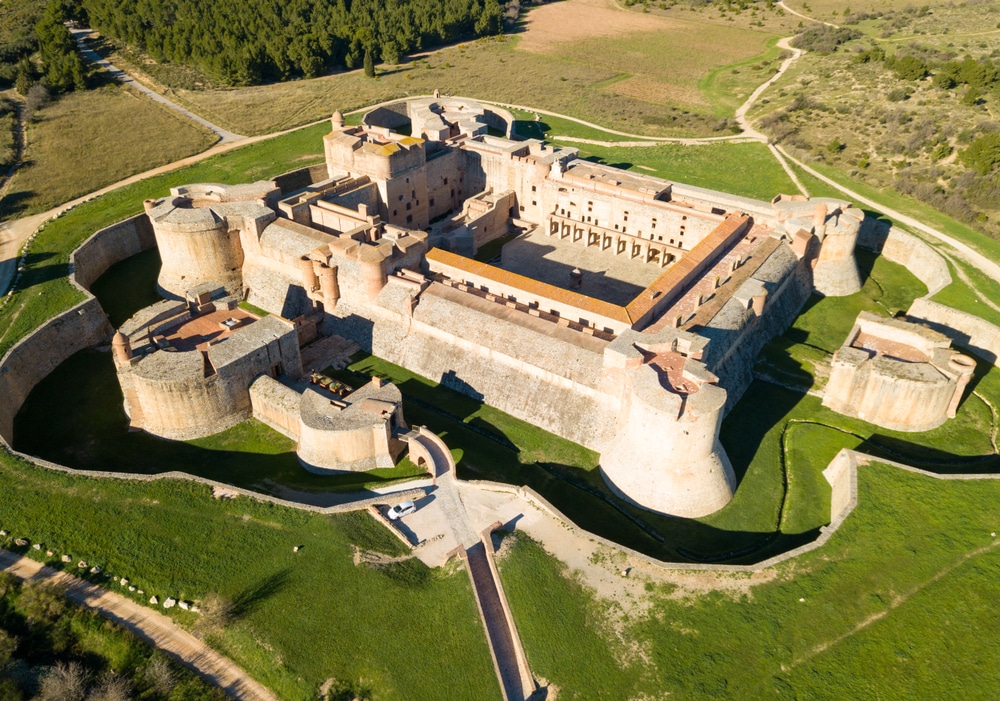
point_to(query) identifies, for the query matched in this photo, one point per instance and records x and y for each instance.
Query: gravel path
(125, 79)
(155, 628)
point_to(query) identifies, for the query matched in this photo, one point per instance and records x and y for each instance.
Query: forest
(246, 42)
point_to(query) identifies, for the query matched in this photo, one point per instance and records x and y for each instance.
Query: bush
(898, 95)
(907, 67)
(983, 154)
(824, 39)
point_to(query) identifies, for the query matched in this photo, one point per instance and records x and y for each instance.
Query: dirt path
(962, 250)
(152, 627)
(124, 78)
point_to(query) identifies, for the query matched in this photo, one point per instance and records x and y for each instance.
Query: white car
(401, 509)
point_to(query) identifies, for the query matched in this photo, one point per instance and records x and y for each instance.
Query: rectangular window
(409, 218)
(408, 204)
(432, 202)
(534, 189)
(446, 181)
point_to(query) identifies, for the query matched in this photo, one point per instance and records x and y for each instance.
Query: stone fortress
(620, 311)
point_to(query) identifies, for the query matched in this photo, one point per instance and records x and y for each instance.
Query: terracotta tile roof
(528, 285)
(672, 282)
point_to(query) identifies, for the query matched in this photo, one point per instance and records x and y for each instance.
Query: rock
(82, 564)
(185, 605)
(37, 546)
(154, 600)
(140, 592)
(66, 558)
(4, 534)
(124, 581)
(195, 609)
(49, 553)
(20, 542)
(131, 588)
(170, 602)
(95, 569)
(295, 549)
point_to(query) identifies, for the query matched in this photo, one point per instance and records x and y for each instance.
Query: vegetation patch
(86, 140)
(296, 618)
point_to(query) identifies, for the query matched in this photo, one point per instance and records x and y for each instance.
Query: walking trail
(122, 77)
(152, 627)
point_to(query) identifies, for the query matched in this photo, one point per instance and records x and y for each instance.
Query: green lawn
(302, 617)
(746, 169)
(897, 605)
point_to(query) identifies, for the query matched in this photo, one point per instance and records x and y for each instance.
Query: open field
(86, 140)
(896, 605)
(582, 71)
(746, 169)
(301, 618)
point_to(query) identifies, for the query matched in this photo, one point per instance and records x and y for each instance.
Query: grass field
(746, 169)
(86, 140)
(896, 605)
(675, 90)
(302, 618)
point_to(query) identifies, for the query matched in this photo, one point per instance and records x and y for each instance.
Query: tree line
(246, 42)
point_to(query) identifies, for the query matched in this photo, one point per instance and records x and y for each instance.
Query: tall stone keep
(197, 232)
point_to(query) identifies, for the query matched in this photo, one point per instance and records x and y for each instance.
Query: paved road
(153, 627)
(122, 77)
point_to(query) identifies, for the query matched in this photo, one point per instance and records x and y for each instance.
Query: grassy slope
(86, 140)
(894, 606)
(742, 169)
(304, 617)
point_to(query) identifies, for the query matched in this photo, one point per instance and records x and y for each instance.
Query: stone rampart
(967, 330)
(35, 356)
(736, 335)
(909, 251)
(276, 405)
(109, 246)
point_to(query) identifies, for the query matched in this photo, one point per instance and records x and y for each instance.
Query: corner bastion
(897, 374)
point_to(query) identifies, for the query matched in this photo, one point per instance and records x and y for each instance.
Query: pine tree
(369, 64)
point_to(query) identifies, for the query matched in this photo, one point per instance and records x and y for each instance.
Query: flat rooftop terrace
(198, 333)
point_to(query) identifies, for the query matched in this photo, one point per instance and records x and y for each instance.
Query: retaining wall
(109, 246)
(968, 330)
(909, 251)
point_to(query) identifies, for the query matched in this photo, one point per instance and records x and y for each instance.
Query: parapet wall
(85, 325)
(909, 251)
(109, 246)
(968, 330)
(35, 356)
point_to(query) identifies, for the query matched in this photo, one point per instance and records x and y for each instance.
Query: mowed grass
(746, 169)
(302, 618)
(86, 140)
(659, 95)
(44, 289)
(898, 604)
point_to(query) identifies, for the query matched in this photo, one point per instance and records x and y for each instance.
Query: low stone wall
(978, 335)
(300, 178)
(36, 355)
(841, 474)
(109, 246)
(276, 405)
(222, 490)
(909, 251)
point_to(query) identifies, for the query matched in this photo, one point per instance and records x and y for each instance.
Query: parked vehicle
(401, 509)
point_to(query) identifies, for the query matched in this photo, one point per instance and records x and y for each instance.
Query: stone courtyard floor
(606, 276)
